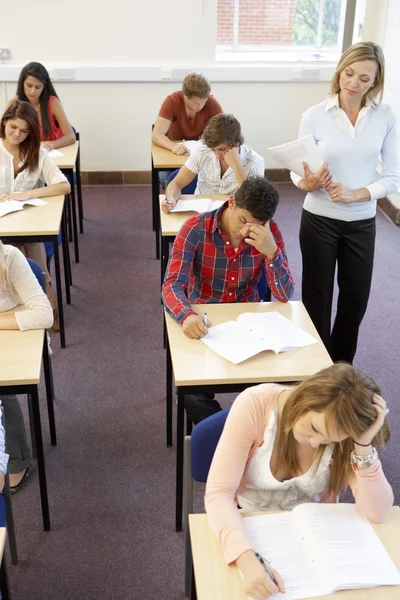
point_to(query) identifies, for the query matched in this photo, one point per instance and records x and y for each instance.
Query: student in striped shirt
(221, 163)
(218, 257)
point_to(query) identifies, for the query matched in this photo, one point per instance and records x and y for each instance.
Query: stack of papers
(293, 154)
(251, 333)
(200, 206)
(9, 206)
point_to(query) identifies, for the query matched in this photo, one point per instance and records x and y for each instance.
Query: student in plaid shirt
(218, 257)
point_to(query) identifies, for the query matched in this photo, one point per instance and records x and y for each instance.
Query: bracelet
(363, 461)
(362, 445)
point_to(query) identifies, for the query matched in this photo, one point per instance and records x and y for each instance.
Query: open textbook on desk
(200, 206)
(319, 549)
(252, 333)
(9, 206)
(293, 154)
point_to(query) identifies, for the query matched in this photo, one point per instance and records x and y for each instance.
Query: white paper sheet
(200, 206)
(293, 154)
(9, 206)
(192, 145)
(53, 153)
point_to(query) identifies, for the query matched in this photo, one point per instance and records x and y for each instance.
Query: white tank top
(261, 491)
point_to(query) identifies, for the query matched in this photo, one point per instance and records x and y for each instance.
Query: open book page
(346, 551)
(200, 206)
(192, 145)
(9, 206)
(232, 343)
(274, 538)
(292, 155)
(278, 333)
(53, 153)
(34, 202)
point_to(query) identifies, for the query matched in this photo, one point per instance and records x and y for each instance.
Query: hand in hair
(232, 157)
(368, 435)
(260, 236)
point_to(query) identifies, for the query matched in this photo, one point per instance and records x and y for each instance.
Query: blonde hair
(357, 53)
(345, 395)
(4, 283)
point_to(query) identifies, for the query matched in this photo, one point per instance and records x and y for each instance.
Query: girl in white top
(26, 170)
(351, 129)
(19, 287)
(222, 162)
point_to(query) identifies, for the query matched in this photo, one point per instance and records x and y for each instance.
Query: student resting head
(35, 87)
(283, 446)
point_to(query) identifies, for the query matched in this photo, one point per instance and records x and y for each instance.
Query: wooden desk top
(165, 159)
(68, 160)
(216, 580)
(194, 363)
(20, 356)
(34, 220)
(172, 222)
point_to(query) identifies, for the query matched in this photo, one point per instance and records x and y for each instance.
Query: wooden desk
(197, 368)
(172, 222)
(4, 589)
(161, 160)
(43, 224)
(216, 580)
(67, 163)
(20, 363)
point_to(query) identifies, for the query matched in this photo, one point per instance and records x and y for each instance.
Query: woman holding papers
(19, 286)
(283, 446)
(35, 87)
(352, 128)
(28, 172)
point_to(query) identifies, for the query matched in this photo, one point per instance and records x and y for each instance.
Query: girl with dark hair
(26, 169)
(35, 87)
(282, 446)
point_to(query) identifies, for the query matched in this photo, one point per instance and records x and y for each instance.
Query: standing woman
(35, 87)
(25, 170)
(352, 128)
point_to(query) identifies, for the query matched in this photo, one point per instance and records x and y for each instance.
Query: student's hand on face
(370, 433)
(180, 149)
(194, 327)
(318, 180)
(339, 193)
(232, 157)
(260, 236)
(257, 584)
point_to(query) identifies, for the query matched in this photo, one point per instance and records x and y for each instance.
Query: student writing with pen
(282, 446)
(218, 257)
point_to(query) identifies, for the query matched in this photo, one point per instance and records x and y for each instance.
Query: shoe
(56, 323)
(29, 470)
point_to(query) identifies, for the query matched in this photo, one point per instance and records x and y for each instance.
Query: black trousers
(324, 244)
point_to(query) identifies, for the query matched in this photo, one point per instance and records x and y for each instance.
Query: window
(280, 30)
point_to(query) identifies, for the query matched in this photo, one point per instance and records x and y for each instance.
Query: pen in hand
(205, 319)
(266, 566)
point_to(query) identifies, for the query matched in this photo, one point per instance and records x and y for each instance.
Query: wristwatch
(358, 461)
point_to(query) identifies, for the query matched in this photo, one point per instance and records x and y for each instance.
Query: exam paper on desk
(9, 206)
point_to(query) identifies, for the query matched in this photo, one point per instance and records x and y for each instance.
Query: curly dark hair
(259, 197)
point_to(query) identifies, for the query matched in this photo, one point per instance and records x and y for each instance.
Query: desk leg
(67, 261)
(48, 376)
(179, 460)
(74, 220)
(5, 590)
(155, 189)
(169, 395)
(69, 218)
(59, 291)
(34, 398)
(79, 188)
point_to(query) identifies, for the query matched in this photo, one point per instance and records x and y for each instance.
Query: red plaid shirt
(205, 268)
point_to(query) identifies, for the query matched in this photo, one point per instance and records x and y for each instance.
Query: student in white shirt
(25, 170)
(222, 162)
(18, 286)
(351, 128)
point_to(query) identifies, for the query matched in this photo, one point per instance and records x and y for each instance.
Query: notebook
(9, 206)
(252, 333)
(200, 206)
(319, 549)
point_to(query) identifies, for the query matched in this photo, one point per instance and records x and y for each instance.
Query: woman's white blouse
(262, 491)
(26, 291)
(47, 173)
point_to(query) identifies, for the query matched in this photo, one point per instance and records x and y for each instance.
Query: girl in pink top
(35, 87)
(282, 446)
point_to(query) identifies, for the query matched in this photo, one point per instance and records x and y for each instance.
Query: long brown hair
(357, 53)
(30, 147)
(345, 395)
(38, 71)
